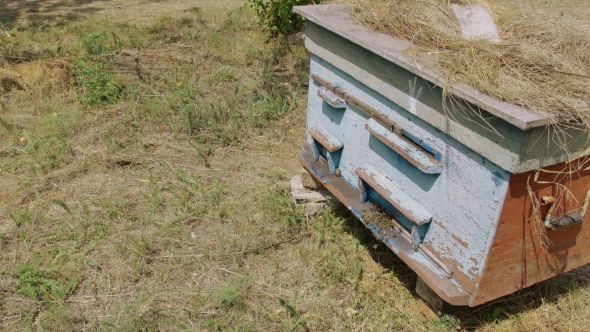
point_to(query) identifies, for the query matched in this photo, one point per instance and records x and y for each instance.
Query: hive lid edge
(336, 18)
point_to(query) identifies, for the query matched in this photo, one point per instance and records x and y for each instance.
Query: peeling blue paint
(497, 178)
(468, 194)
(318, 175)
(418, 141)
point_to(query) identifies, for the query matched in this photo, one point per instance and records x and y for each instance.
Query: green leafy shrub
(96, 83)
(44, 286)
(277, 16)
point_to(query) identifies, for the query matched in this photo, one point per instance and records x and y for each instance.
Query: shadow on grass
(380, 253)
(504, 308)
(45, 13)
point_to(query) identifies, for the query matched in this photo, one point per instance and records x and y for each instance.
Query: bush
(95, 83)
(277, 16)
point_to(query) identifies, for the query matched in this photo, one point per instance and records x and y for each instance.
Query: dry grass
(542, 62)
(147, 213)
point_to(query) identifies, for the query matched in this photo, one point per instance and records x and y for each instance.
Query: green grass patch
(95, 82)
(44, 286)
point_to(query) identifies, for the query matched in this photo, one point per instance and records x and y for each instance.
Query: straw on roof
(542, 62)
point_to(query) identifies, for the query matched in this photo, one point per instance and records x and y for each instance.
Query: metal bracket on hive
(566, 220)
(324, 143)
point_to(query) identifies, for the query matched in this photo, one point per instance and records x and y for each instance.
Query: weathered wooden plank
(517, 257)
(395, 195)
(331, 98)
(327, 140)
(300, 193)
(414, 155)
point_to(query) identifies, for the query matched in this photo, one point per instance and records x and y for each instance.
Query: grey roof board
(337, 19)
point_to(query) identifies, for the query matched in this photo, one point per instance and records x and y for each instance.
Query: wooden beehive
(450, 185)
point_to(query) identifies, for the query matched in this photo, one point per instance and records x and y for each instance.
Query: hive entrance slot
(393, 201)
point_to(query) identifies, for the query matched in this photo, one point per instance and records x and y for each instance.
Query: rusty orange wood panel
(518, 257)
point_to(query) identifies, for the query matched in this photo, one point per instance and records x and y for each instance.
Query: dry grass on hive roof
(542, 62)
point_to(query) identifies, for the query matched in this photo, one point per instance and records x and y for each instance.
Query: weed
(277, 17)
(295, 321)
(195, 10)
(154, 194)
(169, 29)
(280, 207)
(244, 328)
(220, 122)
(253, 52)
(273, 106)
(333, 267)
(51, 151)
(495, 314)
(60, 318)
(447, 322)
(202, 152)
(231, 294)
(225, 74)
(62, 122)
(214, 196)
(44, 286)
(56, 52)
(140, 315)
(329, 226)
(46, 153)
(94, 45)
(7, 126)
(23, 217)
(96, 83)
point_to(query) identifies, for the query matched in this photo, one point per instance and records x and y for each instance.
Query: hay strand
(542, 62)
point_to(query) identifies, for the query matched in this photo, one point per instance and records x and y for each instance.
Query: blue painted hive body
(427, 175)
